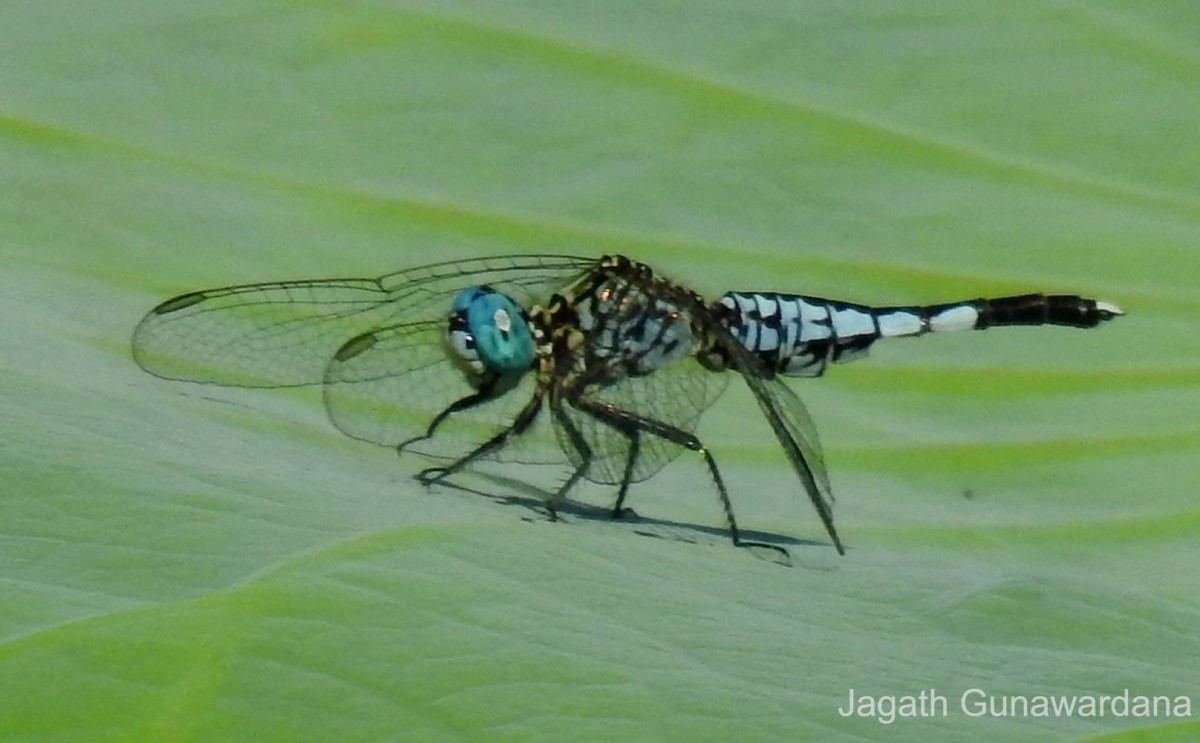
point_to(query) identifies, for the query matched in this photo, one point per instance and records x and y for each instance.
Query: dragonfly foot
(783, 557)
(432, 475)
(620, 513)
(403, 444)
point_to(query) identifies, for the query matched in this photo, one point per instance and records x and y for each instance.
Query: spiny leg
(485, 393)
(523, 420)
(635, 444)
(585, 451)
(728, 506)
(625, 420)
(575, 392)
(581, 446)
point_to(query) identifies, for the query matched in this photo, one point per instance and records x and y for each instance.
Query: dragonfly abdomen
(800, 335)
(1036, 309)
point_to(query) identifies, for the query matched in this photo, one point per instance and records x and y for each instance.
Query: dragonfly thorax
(629, 330)
(488, 331)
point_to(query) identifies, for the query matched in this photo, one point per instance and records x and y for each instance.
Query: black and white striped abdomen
(800, 336)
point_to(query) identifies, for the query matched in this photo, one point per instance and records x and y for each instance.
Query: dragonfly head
(490, 332)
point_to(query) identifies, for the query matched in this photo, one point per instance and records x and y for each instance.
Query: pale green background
(184, 563)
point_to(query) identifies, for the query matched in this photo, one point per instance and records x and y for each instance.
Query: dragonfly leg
(618, 510)
(523, 420)
(632, 433)
(581, 446)
(635, 444)
(632, 423)
(485, 393)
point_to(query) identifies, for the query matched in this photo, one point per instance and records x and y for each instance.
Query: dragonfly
(621, 359)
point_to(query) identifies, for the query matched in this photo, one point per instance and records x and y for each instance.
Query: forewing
(284, 333)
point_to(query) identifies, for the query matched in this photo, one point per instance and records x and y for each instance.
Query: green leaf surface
(189, 563)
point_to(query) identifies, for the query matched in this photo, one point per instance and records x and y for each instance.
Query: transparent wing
(386, 386)
(283, 334)
(792, 425)
(800, 428)
(260, 335)
(676, 394)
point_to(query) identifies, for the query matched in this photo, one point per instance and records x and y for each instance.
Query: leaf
(182, 562)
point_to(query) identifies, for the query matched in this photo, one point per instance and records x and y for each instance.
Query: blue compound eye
(489, 331)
